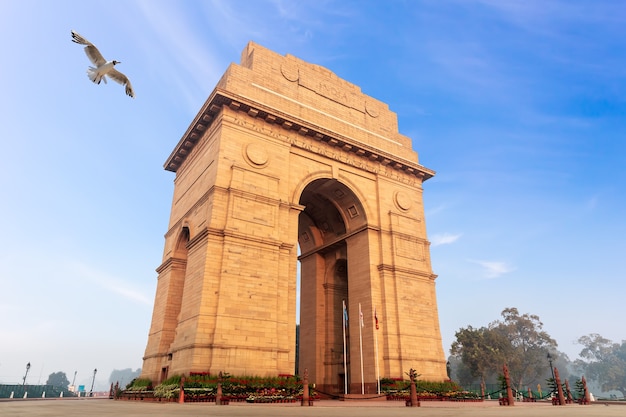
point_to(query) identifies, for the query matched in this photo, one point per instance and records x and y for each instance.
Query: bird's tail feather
(93, 75)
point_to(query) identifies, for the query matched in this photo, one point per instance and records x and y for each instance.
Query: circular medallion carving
(256, 155)
(371, 109)
(403, 201)
(290, 71)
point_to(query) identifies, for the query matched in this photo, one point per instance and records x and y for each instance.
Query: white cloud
(110, 283)
(184, 57)
(493, 269)
(444, 238)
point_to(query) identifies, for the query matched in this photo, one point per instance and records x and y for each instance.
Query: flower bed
(202, 387)
(397, 389)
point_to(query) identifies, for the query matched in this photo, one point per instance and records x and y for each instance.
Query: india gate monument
(287, 165)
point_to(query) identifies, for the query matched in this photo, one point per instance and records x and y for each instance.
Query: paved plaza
(104, 408)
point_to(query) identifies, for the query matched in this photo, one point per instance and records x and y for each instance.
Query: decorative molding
(171, 263)
(256, 155)
(200, 237)
(402, 200)
(406, 271)
(348, 151)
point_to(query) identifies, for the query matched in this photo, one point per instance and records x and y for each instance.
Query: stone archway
(285, 153)
(331, 214)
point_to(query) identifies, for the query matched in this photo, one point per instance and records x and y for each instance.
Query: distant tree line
(121, 376)
(604, 361)
(478, 354)
(58, 379)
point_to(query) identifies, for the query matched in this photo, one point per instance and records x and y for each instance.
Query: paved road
(109, 408)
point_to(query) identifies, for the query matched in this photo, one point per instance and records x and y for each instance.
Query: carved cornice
(332, 245)
(171, 263)
(261, 241)
(227, 346)
(199, 238)
(155, 356)
(406, 271)
(335, 286)
(220, 98)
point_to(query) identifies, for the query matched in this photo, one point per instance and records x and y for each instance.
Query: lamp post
(92, 382)
(26, 374)
(552, 370)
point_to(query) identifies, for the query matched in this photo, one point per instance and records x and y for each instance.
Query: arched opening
(175, 288)
(332, 213)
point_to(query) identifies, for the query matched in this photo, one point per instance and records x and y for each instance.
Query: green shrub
(167, 391)
(172, 380)
(139, 384)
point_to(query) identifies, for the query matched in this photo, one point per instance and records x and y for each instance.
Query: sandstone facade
(288, 163)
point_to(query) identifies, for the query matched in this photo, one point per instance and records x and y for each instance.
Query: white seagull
(103, 67)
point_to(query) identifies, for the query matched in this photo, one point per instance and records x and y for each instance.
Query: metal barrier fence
(495, 391)
(33, 391)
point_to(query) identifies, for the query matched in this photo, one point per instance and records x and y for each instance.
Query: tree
(604, 361)
(482, 352)
(530, 345)
(123, 376)
(518, 340)
(58, 379)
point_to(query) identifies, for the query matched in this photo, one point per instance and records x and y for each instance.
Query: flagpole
(376, 353)
(345, 366)
(361, 348)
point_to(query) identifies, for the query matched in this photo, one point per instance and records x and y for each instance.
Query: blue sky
(519, 106)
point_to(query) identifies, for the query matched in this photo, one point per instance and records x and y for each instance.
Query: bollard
(218, 396)
(413, 401)
(306, 401)
(181, 395)
(509, 391)
(559, 387)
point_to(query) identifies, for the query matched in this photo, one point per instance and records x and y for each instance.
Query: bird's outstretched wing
(92, 52)
(117, 76)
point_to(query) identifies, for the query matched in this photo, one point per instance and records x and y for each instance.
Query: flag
(345, 314)
(375, 318)
(361, 316)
